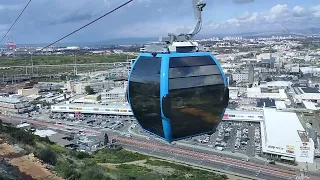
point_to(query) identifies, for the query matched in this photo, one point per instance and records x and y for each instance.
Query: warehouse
(284, 138)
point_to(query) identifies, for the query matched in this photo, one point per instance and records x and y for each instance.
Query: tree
(99, 98)
(268, 79)
(94, 172)
(89, 90)
(47, 155)
(67, 170)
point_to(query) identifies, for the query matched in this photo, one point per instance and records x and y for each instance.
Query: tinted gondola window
(144, 93)
(196, 90)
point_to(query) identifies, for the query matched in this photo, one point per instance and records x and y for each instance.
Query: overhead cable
(15, 20)
(113, 10)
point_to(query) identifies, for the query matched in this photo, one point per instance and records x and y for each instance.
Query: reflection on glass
(189, 82)
(144, 92)
(194, 71)
(196, 90)
(191, 61)
(195, 110)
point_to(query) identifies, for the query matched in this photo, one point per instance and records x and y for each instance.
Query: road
(203, 164)
(251, 142)
(217, 162)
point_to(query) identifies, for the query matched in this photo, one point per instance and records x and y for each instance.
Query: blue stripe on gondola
(164, 91)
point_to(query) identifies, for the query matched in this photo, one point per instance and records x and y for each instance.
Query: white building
(275, 84)
(27, 92)
(256, 93)
(240, 77)
(283, 137)
(124, 110)
(306, 94)
(235, 115)
(97, 86)
(117, 94)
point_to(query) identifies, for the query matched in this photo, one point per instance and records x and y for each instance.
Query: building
(234, 93)
(27, 92)
(251, 75)
(48, 86)
(97, 86)
(306, 94)
(294, 144)
(89, 99)
(235, 115)
(117, 94)
(275, 84)
(240, 77)
(14, 105)
(263, 93)
(122, 110)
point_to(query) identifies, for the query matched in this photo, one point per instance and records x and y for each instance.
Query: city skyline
(45, 21)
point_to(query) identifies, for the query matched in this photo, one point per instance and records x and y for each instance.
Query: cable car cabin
(177, 95)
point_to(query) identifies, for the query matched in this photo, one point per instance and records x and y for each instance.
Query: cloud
(77, 16)
(9, 7)
(278, 16)
(242, 1)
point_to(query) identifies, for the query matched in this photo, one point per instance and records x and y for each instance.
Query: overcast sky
(47, 20)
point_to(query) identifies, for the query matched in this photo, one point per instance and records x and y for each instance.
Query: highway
(233, 165)
(197, 156)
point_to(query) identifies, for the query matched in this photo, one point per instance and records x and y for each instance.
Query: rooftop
(10, 100)
(115, 106)
(44, 133)
(266, 103)
(310, 90)
(279, 83)
(280, 124)
(117, 90)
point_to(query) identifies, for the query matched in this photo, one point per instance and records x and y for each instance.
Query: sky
(45, 21)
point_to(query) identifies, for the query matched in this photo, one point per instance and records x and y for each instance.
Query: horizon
(40, 24)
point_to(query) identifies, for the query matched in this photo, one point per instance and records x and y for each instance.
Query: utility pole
(75, 65)
(31, 65)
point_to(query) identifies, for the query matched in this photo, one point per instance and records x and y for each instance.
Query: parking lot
(242, 137)
(96, 121)
(233, 136)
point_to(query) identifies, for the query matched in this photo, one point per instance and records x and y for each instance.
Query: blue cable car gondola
(175, 91)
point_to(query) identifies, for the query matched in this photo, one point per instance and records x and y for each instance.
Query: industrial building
(283, 137)
(14, 105)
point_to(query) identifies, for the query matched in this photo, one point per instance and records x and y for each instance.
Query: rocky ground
(15, 166)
